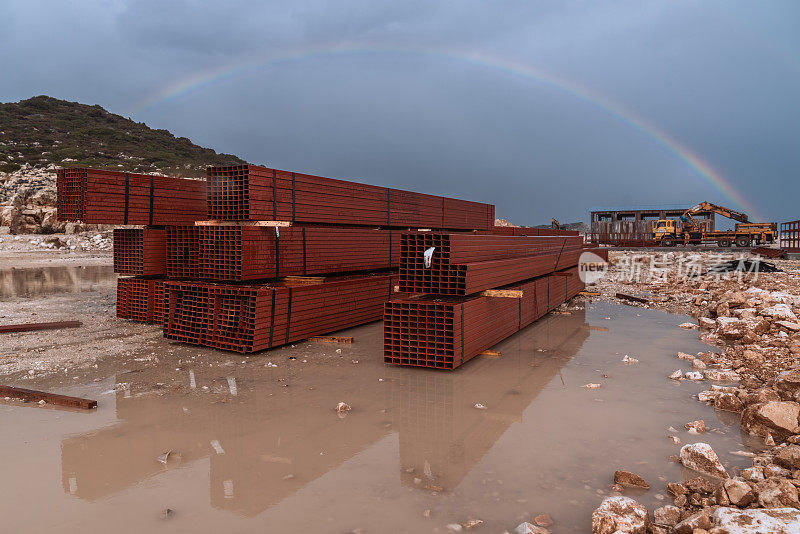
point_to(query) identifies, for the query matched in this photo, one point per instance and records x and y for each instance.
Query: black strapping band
(272, 318)
(304, 251)
(288, 318)
(294, 195)
(150, 218)
(274, 195)
(390, 248)
(127, 195)
(388, 206)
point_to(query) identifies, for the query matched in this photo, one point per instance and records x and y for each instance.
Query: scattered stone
(621, 514)
(693, 375)
(480, 406)
(677, 375)
(699, 427)
(777, 418)
(667, 516)
(699, 485)
(728, 402)
(684, 356)
(779, 311)
(628, 360)
(702, 458)
(343, 407)
(677, 489)
(776, 493)
(626, 478)
(772, 521)
(472, 523)
(699, 520)
(788, 457)
(739, 492)
(592, 386)
(688, 326)
(528, 528)
(722, 375)
(698, 364)
(543, 520)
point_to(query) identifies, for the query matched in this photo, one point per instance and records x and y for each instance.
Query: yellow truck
(670, 232)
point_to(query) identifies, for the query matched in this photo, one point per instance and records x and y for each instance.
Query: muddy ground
(582, 394)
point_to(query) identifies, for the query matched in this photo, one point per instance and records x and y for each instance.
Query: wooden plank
(50, 398)
(504, 293)
(333, 339)
(590, 293)
(242, 223)
(633, 298)
(304, 279)
(490, 353)
(28, 327)
(598, 328)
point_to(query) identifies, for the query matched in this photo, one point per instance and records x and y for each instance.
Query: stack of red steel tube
(240, 253)
(524, 230)
(249, 192)
(443, 332)
(140, 299)
(790, 236)
(457, 318)
(111, 197)
(140, 251)
(253, 317)
(462, 264)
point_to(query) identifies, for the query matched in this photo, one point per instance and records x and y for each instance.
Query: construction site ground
(257, 443)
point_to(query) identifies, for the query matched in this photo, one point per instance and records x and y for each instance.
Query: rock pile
(754, 375)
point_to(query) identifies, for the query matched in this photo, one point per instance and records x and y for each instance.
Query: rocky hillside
(40, 134)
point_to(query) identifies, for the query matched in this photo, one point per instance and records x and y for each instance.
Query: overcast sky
(542, 108)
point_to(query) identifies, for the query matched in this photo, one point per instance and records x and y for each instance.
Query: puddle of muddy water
(276, 456)
(41, 281)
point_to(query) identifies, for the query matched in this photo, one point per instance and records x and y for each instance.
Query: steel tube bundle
(462, 264)
(238, 253)
(253, 317)
(443, 332)
(524, 230)
(249, 192)
(111, 197)
(140, 251)
(141, 299)
(790, 236)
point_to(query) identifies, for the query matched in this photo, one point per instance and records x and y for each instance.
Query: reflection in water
(37, 281)
(443, 435)
(276, 440)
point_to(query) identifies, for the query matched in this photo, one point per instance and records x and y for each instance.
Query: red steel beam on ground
(49, 398)
(29, 327)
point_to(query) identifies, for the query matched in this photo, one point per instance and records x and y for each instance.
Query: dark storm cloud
(409, 108)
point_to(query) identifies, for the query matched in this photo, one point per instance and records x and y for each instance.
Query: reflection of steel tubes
(442, 434)
(271, 445)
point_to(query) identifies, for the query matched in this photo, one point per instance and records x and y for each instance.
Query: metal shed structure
(633, 225)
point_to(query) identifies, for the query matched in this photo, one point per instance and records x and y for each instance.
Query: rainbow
(690, 159)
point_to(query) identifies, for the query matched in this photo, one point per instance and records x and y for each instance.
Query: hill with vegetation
(43, 131)
(41, 134)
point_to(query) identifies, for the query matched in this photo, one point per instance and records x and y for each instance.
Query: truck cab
(664, 228)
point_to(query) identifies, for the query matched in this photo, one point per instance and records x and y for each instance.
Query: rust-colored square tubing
(28, 327)
(49, 398)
